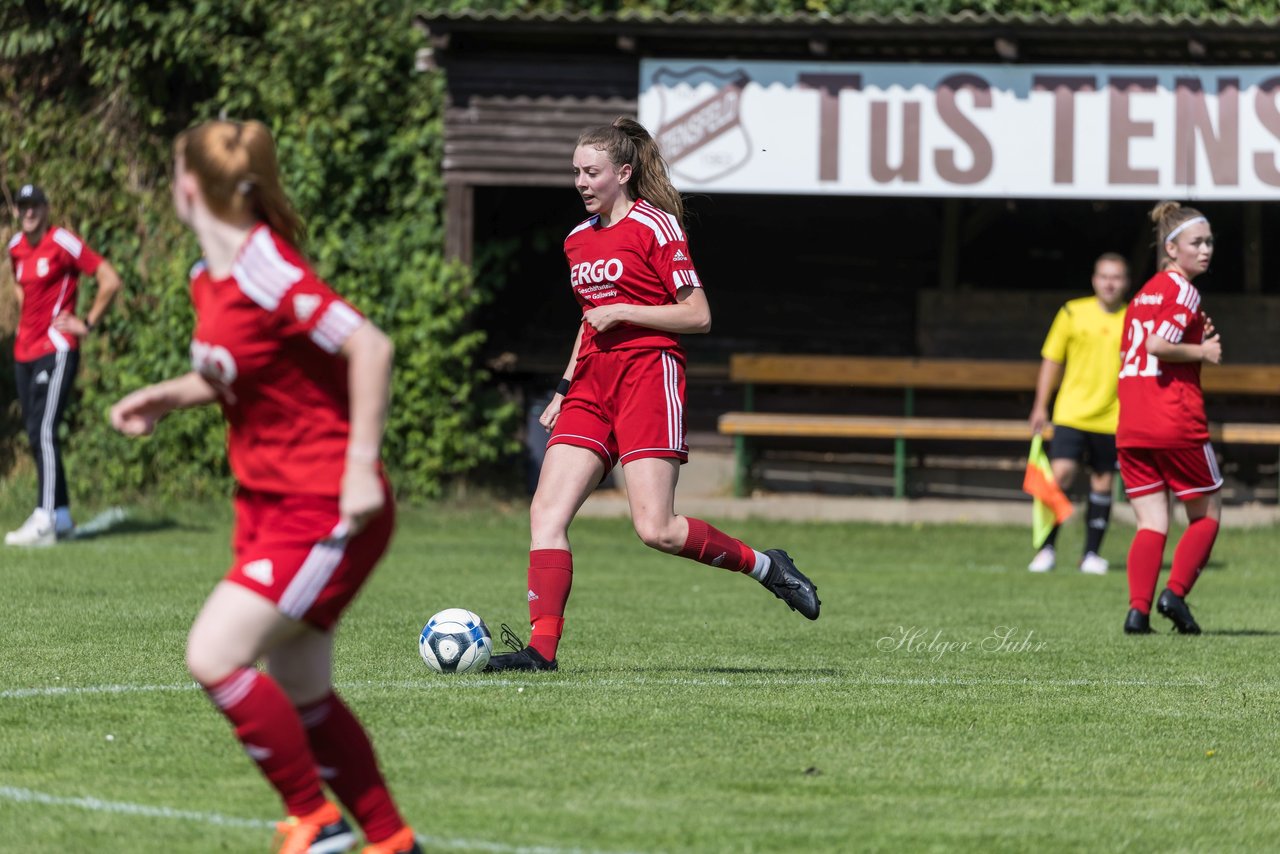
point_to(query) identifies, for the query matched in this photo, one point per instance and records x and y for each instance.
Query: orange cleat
(401, 842)
(324, 831)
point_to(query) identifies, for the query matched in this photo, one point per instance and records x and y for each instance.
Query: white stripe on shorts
(1212, 459)
(312, 576)
(675, 408)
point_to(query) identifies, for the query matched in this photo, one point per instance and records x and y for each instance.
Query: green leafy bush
(94, 93)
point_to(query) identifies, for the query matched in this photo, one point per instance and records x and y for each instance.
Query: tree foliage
(1190, 9)
(94, 92)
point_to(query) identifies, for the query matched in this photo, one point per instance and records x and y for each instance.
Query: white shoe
(1094, 564)
(1044, 561)
(38, 530)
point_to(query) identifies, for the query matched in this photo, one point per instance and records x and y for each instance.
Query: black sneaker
(790, 584)
(1174, 607)
(520, 658)
(1137, 623)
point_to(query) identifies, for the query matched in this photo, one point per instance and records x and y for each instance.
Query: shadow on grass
(117, 522)
(1243, 633)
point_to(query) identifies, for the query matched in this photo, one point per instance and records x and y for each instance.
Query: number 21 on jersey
(1137, 361)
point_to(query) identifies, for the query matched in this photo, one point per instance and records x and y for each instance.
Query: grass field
(693, 712)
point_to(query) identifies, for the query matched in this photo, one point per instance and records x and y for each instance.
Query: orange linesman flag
(1051, 506)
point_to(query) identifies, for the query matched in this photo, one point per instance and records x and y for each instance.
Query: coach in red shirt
(47, 263)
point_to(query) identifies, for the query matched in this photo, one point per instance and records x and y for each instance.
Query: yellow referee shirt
(1086, 338)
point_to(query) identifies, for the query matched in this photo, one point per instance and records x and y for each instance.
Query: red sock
(550, 577)
(1192, 554)
(1145, 556)
(345, 760)
(268, 726)
(707, 545)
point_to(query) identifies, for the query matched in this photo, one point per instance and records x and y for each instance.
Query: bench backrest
(954, 374)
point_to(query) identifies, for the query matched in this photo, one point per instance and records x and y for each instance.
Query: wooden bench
(911, 375)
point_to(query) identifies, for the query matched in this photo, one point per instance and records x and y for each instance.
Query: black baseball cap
(30, 195)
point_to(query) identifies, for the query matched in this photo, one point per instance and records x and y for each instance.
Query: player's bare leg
(234, 630)
(651, 485)
(569, 474)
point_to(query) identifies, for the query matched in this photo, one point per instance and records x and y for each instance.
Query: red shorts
(1186, 472)
(288, 550)
(625, 405)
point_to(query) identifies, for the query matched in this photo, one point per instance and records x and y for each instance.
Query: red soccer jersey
(267, 338)
(642, 259)
(1161, 405)
(48, 274)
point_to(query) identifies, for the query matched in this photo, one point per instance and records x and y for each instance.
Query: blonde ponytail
(239, 176)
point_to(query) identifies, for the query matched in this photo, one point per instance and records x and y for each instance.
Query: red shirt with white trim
(267, 338)
(1161, 404)
(49, 275)
(642, 259)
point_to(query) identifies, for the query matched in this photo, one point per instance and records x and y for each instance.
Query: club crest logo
(700, 128)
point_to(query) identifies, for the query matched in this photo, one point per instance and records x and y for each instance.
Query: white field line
(461, 682)
(28, 796)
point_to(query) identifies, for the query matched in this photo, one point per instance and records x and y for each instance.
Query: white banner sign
(1140, 132)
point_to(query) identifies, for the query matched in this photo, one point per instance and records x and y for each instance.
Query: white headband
(1179, 229)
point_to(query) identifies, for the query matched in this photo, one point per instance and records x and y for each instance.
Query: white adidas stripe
(68, 241)
(313, 575)
(669, 224)
(262, 273)
(659, 233)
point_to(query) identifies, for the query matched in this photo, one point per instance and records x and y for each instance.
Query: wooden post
(459, 218)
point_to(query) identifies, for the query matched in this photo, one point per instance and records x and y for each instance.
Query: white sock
(762, 565)
(62, 519)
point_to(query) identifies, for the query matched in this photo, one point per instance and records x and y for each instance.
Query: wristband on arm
(562, 388)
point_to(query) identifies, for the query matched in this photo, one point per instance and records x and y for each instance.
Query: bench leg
(741, 465)
(899, 468)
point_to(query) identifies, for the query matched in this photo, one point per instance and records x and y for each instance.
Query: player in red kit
(302, 379)
(47, 264)
(621, 400)
(1163, 436)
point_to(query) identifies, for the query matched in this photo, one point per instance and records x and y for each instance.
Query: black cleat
(526, 659)
(790, 584)
(1174, 607)
(1137, 623)
(520, 658)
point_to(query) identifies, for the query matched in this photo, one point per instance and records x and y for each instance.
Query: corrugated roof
(1212, 21)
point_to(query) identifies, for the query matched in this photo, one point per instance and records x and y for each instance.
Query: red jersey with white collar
(48, 274)
(1161, 405)
(267, 338)
(642, 259)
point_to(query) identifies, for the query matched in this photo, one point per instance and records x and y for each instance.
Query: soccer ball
(455, 641)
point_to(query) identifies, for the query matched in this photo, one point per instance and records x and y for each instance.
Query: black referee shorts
(1097, 450)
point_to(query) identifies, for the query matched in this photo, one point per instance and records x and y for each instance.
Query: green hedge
(94, 93)
(1194, 9)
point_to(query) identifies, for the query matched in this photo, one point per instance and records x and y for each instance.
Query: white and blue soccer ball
(455, 641)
